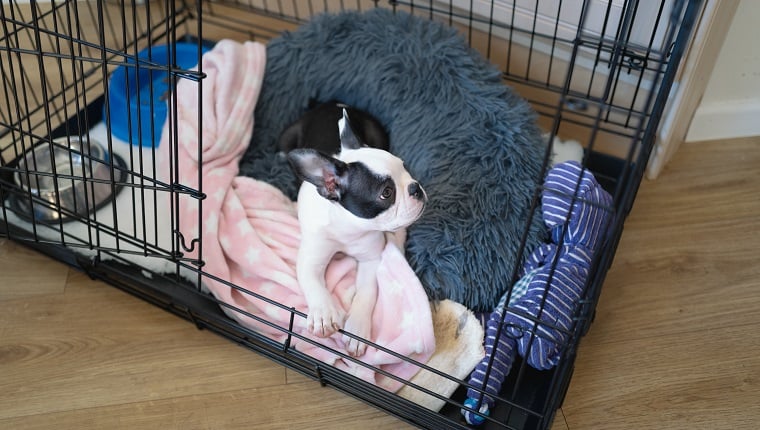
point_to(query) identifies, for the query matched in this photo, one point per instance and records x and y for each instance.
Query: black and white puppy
(353, 200)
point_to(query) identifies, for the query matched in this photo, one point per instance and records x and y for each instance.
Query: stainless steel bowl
(70, 177)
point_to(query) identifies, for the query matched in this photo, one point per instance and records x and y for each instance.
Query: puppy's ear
(348, 139)
(326, 173)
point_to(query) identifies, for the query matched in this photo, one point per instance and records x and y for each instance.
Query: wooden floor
(675, 343)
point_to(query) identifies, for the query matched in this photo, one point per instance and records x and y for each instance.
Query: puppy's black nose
(415, 190)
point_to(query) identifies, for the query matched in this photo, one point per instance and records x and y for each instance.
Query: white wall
(730, 106)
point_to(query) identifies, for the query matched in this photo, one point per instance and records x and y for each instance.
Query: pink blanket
(250, 233)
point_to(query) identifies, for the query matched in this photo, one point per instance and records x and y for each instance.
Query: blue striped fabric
(576, 209)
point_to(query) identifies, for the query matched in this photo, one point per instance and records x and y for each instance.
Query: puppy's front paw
(325, 318)
(361, 326)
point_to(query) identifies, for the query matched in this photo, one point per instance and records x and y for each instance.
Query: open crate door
(62, 167)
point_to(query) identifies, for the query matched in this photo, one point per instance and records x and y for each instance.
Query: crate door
(58, 74)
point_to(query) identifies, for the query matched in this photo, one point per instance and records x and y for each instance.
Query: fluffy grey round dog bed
(470, 140)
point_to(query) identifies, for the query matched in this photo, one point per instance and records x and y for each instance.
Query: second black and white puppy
(352, 201)
(316, 129)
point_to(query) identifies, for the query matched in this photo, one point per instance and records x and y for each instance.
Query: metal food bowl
(66, 178)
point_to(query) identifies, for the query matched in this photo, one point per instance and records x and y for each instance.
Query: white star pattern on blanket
(407, 321)
(219, 194)
(282, 278)
(243, 226)
(212, 223)
(268, 288)
(395, 287)
(253, 255)
(416, 346)
(273, 312)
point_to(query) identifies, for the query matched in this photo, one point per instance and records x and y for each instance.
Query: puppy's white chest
(364, 247)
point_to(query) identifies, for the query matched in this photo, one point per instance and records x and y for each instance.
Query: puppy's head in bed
(371, 185)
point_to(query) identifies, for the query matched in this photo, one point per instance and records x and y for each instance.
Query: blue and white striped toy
(577, 210)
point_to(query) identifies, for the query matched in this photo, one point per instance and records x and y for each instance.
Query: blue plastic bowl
(138, 95)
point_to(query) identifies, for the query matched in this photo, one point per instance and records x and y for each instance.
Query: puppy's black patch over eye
(367, 194)
(387, 193)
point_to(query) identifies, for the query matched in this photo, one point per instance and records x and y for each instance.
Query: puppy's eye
(387, 193)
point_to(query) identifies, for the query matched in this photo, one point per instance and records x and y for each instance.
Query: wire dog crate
(598, 72)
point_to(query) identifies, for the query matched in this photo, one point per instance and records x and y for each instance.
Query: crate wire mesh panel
(598, 72)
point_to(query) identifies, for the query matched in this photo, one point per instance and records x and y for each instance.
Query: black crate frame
(46, 35)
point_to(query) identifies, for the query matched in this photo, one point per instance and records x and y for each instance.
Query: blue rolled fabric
(577, 210)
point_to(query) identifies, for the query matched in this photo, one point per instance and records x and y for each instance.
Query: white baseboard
(725, 120)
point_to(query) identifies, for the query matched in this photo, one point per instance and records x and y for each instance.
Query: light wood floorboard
(675, 343)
